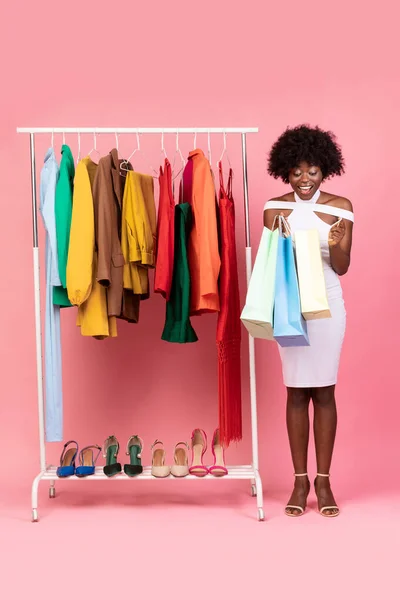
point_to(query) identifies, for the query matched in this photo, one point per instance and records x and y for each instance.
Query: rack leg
(35, 487)
(253, 488)
(52, 489)
(260, 496)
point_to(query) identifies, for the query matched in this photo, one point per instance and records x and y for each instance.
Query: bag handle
(284, 227)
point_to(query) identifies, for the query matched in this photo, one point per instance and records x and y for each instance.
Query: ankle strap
(129, 444)
(323, 475)
(93, 447)
(65, 449)
(300, 474)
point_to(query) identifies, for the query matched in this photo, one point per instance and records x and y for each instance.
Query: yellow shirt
(83, 289)
(138, 234)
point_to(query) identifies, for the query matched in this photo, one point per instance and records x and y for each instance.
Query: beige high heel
(293, 506)
(158, 466)
(180, 468)
(323, 509)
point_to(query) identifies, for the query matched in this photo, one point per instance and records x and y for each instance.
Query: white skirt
(317, 365)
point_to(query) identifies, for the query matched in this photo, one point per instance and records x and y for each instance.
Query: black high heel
(110, 453)
(134, 450)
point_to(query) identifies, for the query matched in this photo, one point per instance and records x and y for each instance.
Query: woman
(305, 157)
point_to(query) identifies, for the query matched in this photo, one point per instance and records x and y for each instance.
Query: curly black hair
(308, 144)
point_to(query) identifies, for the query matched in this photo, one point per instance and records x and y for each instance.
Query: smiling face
(305, 180)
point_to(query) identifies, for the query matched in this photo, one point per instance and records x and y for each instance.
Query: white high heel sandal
(294, 507)
(323, 509)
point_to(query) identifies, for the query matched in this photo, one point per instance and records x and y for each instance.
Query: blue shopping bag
(290, 328)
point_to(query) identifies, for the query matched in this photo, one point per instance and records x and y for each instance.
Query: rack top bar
(137, 130)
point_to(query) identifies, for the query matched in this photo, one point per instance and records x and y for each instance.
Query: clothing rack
(48, 472)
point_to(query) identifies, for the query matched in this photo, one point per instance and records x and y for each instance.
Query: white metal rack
(48, 472)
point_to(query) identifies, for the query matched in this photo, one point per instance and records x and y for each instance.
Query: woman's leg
(325, 423)
(298, 426)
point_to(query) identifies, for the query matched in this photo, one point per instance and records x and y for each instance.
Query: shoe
(134, 449)
(180, 468)
(158, 466)
(110, 453)
(218, 469)
(301, 509)
(323, 510)
(199, 447)
(87, 463)
(67, 460)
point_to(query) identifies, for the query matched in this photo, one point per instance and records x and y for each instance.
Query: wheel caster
(52, 492)
(261, 516)
(34, 515)
(253, 490)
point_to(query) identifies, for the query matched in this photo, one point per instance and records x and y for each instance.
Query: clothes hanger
(195, 141)
(209, 147)
(117, 141)
(225, 153)
(94, 149)
(183, 162)
(125, 163)
(79, 147)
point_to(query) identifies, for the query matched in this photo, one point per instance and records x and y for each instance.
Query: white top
(303, 217)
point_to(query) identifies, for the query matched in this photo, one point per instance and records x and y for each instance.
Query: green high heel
(110, 453)
(134, 450)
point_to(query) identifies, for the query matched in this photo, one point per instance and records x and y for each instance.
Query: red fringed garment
(229, 326)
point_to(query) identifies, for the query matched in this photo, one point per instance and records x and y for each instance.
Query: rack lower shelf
(234, 472)
(245, 472)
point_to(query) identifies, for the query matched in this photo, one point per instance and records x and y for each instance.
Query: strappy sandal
(301, 509)
(67, 460)
(180, 468)
(323, 510)
(158, 466)
(134, 450)
(199, 447)
(110, 453)
(218, 469)
(87, 464)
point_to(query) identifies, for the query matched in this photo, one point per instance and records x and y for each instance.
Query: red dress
(165, 234)
(229, 326)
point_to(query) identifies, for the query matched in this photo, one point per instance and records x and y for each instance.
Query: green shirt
(63, 210)
(177, 323)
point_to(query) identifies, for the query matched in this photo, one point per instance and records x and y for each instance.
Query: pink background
(181, 64)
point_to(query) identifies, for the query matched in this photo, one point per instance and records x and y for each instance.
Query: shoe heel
(67, 460)
(110, 453)
(134, 449)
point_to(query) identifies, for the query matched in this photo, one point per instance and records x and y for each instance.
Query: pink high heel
(218, 469)
(199, 447)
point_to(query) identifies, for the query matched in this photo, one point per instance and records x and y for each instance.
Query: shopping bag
(290, 328)
(314, 301)
(258, 310)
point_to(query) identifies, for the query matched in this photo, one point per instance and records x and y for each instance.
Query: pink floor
(170, 539)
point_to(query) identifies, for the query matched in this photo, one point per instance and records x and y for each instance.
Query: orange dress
(203, 254)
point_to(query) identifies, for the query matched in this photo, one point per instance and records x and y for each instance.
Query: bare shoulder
(284, 198)
(269, 215)
(339, 202)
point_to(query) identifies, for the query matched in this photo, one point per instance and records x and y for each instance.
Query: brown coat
(108, 191)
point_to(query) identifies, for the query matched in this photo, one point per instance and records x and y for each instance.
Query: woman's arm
(340, 240)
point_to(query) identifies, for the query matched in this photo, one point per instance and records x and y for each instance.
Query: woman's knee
(298, 397)
(324, 396)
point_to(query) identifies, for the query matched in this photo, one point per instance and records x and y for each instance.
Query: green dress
(177, 323)
(63, 210)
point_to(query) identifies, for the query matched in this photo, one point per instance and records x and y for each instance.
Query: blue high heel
(67, 460)
(87, 464)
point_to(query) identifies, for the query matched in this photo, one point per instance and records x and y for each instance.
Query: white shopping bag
(314, 301)
(257, 313)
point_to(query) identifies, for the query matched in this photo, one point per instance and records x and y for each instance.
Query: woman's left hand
(336, 233)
